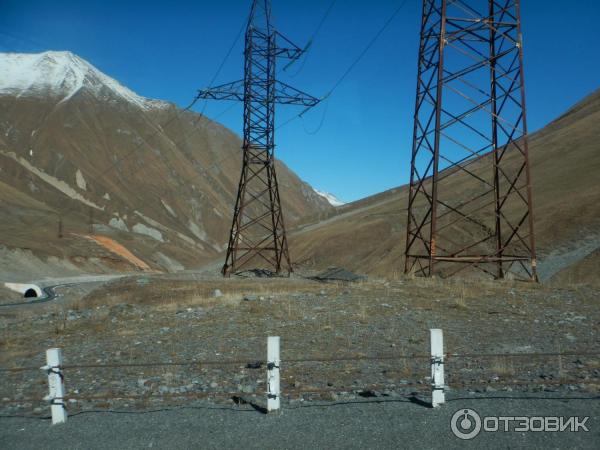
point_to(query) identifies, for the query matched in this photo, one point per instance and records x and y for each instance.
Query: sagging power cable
(309, 44)
(160, 129)
(354, 63)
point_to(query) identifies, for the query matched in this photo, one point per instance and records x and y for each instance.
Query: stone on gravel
(247, 389)
(257, 273)
(339, 274)
(254, 365)
(217, 293)
(368, 393)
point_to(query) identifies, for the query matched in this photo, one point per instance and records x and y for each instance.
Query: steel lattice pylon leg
(258, 232)
(469, 204)
(258, 229)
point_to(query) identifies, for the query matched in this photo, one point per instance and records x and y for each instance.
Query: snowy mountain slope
(61, 74)
(332, 199)
(82, 155)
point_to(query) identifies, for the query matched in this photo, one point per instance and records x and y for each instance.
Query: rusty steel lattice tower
(258, 232)
(469, 205)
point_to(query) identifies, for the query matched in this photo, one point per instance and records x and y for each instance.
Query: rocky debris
(359, 320)
(257, 273)
(368, 393)
(339, 274)
(191, 313)
(253, 297)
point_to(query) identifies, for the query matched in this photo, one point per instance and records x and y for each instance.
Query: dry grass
(14, 347)
(372, 318)
(60, 323)
(8, 343)
(466, 291)
(594, 363)
(460, 302)
(502, 367)
(175, 294)
(170, 303)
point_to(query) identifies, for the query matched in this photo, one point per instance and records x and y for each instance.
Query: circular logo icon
(465, 424)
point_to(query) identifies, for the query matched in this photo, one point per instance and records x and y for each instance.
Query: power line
(308, 47)
(311, 39)
(201, 114)
(312, 133)
(160, 129)
(128, 155)
(261, 92)
(354, 63)
(218, 72)
(367, 48)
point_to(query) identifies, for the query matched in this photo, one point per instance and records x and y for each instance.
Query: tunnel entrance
(30, 293)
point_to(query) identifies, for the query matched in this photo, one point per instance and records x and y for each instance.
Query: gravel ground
(182, 322)
(401, 423)
(155, 320)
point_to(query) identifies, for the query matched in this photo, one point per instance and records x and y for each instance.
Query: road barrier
(436, 389)
(437, 367)
(56, 386)
(273, 363)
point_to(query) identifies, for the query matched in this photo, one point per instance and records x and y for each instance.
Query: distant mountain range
(95, 177)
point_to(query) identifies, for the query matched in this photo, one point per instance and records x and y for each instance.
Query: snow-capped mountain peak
(62, 74)
(332, 199)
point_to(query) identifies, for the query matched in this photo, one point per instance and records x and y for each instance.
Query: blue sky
(168, 50)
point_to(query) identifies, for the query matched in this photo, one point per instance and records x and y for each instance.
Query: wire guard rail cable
(58, 398)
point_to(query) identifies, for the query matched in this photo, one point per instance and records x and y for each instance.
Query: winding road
(49, 287)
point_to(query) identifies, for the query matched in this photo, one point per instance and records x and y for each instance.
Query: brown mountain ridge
(369, 235)
(81, 156)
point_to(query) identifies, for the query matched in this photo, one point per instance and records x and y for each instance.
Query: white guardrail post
(273, 362)
(56, 393)
(438, 396)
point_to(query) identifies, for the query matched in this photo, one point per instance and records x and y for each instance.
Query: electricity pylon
(258, 231)
(469, 203)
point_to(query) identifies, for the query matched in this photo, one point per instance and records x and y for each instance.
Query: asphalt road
(372, 425)
(49, 287)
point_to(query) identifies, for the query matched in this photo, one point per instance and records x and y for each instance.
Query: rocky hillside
(94, 176)
(565, 163)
